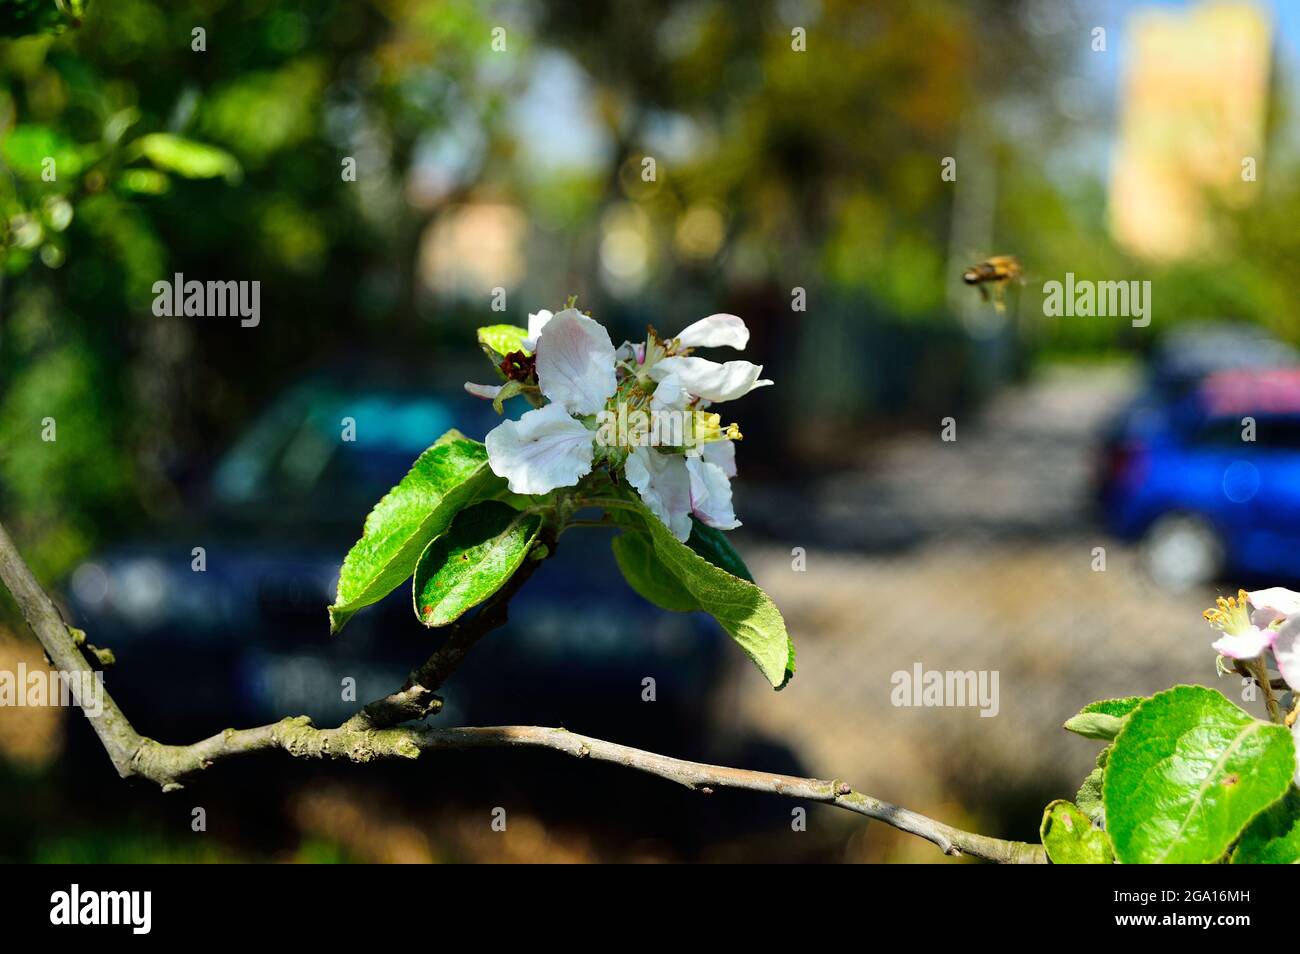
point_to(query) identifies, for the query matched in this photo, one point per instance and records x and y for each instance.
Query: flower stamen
(1229, 614)
(708, 427)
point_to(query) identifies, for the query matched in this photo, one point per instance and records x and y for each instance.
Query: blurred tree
(131, 150)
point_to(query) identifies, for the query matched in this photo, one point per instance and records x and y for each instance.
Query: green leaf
(1095, 725)
(714, 546)
(447, 477)
(1089, 795)
(1103, 719)
(1273, 836)
(144, 181)
(503, 339)
(1070, 837)
(473, 559)
(1187, 772)
(26, 148)
(747, 613)
(194, 160)
(1114, 707)
(635, 555)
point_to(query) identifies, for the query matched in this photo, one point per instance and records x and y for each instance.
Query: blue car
(1210, 484)
(245, 618)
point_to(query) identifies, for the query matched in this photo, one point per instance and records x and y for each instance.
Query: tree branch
(373, 732)
(166, 764)
(118, 736)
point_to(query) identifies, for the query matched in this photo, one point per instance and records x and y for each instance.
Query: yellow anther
(1229, 614)
(708, 427)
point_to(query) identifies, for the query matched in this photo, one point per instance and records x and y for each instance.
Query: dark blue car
(1210, 484)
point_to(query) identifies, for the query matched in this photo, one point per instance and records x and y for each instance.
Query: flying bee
(994, 273)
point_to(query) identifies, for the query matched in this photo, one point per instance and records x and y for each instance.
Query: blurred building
(1191, 126)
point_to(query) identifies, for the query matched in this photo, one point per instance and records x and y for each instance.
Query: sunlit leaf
(1273, 836)
(185, 157)
(1187, 772)
(1070, 837)
(27, 148)
(747, 613)
(447, 477)
(503, 339)
(471, 560)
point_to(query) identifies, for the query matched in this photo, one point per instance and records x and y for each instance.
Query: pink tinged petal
(1245, 645)
(485, 391)
(575, 363)
(715, 331)
(1286, 653)
(664, 486)
(1274, 603)
(536, 322)
(711, 494)
(709, 379)
(542, 450)
(722, 453)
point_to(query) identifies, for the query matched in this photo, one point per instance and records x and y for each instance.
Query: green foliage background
(822, 167)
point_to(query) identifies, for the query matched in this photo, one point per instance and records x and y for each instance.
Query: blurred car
(237, 633)
(1213, 484)
(1186, 356)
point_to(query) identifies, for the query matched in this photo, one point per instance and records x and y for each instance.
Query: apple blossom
(606, 407)
(1279, 609)
(1243, 637)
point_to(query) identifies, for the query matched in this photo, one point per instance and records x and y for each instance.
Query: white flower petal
(1286, 653)
(669, 394)
(1247, 644)
(1276, 602)
(536, 322)
(664, 486)
(709, 379)
(544, 449)
(575, 363)
(715, 331)
(711, 494)
(722, 453)
(485, 391)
